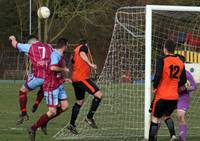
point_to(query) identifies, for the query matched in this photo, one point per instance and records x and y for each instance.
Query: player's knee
(166, 117)
(80, 102)
(65, 106)
(24, 89)
(51, 112)
(155, 119)
(181, 118)
(99, 94)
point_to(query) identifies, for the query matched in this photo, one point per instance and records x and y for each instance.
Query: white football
(43, 12)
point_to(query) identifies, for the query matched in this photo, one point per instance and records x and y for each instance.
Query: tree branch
(64, 28)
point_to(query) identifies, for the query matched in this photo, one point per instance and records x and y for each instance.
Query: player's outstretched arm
(86, 59)
(58, 69)
(13, 41)
(21, 47)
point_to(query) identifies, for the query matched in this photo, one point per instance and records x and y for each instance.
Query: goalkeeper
(184, 102)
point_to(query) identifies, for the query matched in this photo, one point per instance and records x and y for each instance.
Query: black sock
(94, 106)
(153, 131)
(170, 124)
(24, 113)
(75, 111)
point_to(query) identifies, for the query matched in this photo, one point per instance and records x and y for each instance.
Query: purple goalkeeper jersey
(184, 96)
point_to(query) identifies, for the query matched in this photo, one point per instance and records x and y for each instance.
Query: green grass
(10, 111)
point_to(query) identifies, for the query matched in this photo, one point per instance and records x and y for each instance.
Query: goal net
(122, 80)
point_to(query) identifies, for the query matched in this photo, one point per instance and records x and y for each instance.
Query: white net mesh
(121, 114)
(183, 28)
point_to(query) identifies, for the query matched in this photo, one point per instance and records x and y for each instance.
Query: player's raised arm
(13, 41)
(20, 46)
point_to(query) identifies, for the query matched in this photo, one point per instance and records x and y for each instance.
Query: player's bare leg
(182, 125)
(95, 104)
(23, 101)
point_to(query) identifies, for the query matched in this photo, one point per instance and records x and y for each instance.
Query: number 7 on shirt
(43, 51)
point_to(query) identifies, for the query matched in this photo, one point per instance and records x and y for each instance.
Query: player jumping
(82, 83)
(39, 54)
(183, 103)
(55, 95)
(170, 74)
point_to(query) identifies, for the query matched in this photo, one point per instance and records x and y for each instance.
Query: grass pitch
(10, 111)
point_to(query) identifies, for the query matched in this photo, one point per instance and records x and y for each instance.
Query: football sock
(22, 102)
(159, 124)
(182, 132)
(170, 124)
(75, 111)
(58, 112)
(95, 103)
(41, 121)
(40, 96)
(153, 131)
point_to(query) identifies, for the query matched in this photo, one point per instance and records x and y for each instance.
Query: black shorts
(83, 86)
(163, 107)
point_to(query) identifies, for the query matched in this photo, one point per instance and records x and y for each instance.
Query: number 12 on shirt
(174, 70)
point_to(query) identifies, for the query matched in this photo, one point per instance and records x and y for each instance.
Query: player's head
(32, 39)
(83, 41)
(61, 43)
(169, 47)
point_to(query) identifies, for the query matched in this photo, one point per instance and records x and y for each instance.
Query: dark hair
(170, 45)
(30, 37)
(61, 42)
(182, 58)
(83, 41)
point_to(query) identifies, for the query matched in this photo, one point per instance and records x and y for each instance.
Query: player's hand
(93, 66)
(68, 80)
(12, 38)
(181, 89)
(154, 91)
(66, 69)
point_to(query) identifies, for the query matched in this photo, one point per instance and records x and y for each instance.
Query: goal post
(137, 40)
(148, 53)
(147, 87)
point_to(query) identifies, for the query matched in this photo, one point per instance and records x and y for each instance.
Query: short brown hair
(61, 42)
(170, 45)
(30, 37)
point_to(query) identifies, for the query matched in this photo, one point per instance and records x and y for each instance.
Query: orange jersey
(80, 69)
(172, 69)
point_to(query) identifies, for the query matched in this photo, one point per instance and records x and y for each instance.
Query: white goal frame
(148, 52)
